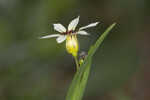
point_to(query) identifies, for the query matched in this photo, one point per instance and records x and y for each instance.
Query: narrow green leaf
(79, 82)
(100, 40)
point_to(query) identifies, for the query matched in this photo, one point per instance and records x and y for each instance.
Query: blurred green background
(33, 69)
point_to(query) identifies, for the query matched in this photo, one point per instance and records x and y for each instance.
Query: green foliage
(79, 82)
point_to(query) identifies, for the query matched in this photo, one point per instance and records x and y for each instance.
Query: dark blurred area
(33, 69)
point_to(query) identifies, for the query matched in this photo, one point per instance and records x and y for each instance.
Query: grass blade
(79, 82)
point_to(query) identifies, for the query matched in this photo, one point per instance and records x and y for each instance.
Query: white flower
(70, 31)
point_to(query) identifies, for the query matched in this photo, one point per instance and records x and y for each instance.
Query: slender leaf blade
(79, 82)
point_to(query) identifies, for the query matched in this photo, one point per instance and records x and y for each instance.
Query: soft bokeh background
(32, 69)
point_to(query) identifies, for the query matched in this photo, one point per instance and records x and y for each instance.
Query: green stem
(77, 63)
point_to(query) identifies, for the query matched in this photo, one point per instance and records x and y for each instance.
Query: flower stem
(77, 63)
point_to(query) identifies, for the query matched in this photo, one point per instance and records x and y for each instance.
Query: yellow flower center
(72, 45)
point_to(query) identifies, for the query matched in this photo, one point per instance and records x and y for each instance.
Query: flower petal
(61, 38)
(83, 33)
(60, 28)
(88, 26)
(50, 36)
(73, 24)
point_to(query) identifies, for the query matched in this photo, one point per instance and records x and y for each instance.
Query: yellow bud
(81, 61)
(72, 45)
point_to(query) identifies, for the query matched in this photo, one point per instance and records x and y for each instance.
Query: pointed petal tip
(49, 36)
(97, 23)
(88, 26)
(94, 24)
(41, 37)
(73, 24)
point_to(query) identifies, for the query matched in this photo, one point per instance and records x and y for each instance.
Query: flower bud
(72, 45)
(82, 57)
